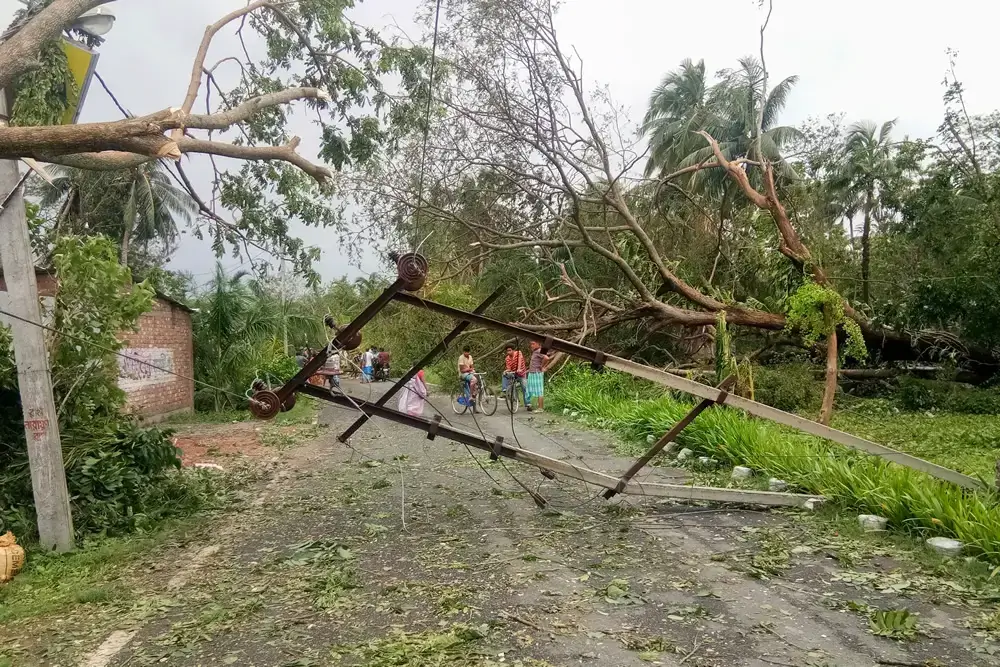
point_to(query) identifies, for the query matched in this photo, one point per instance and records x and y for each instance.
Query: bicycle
(485, 400)
(380, 372)
(514, 391)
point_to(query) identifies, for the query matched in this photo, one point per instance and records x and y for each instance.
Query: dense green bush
(790, 388)
(912, 501)
(119, 482)
(120, 477)
(919, 395)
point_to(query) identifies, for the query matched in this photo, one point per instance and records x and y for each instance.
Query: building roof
(174, 302)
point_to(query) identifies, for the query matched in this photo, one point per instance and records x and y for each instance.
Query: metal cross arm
(427, 358)
(498, 448)
(411, 269)
(671, 435)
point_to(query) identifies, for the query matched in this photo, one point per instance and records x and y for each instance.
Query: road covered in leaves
(402, 551)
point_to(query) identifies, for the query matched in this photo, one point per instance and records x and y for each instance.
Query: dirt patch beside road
(215, 443)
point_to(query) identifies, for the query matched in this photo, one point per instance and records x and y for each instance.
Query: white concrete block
(813, 504)
(684, 454)
(775, 484)
(945, 546)
(742, 472)
(871, 523)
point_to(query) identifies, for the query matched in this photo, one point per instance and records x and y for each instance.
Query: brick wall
(164, 340)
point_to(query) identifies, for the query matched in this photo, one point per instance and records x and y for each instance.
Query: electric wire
(118, 353)
(427, 122)
(398, 457)
(434, 407)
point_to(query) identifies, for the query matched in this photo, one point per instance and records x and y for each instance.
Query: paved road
(401, 551)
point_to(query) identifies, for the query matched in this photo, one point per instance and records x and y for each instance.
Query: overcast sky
(874, 59)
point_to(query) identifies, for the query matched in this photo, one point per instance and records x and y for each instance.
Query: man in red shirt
(515, 366)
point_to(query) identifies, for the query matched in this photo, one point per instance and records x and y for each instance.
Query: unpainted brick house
(163, 340)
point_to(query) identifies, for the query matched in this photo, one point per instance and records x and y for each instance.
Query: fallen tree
(314, 55)
(523, 158)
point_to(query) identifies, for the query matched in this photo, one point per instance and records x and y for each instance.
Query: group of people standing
(411, 398)
(531, 374)
(375, 364)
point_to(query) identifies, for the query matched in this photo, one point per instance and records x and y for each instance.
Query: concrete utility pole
(41, 422)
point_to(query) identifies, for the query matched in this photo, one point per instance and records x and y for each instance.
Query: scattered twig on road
(774, 632)
(777, 662)
(697, 645)
(522, 621)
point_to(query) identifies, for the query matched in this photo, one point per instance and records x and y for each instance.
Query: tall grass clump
(912, 501)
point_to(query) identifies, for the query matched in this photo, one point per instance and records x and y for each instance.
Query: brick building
(163, 340)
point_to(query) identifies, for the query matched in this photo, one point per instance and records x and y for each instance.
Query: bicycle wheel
(487, 403)
(511, 398)
(459, 403)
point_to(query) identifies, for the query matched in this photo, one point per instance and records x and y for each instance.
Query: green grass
(967, 443)
(455, 646)
(912, 501)
(95, 573)
(91, 575)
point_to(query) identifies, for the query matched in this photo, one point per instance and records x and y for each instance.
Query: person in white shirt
(366, 364)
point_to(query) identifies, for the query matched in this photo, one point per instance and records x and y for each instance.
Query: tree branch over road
(313, 58)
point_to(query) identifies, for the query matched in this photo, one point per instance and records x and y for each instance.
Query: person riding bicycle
(515, 367)
(467, 372)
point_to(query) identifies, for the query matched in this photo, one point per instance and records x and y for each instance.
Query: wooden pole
(41, 422)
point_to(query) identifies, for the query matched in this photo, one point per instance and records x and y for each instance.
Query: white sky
(874, 59)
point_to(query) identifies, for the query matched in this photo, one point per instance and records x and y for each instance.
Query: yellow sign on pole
(82, 63)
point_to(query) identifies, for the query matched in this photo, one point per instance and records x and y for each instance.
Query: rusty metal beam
(344, 335)
(498, 448)
(670, 435)
(794, 421)
(427, 358)
(704, 391)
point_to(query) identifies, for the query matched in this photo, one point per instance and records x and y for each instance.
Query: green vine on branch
(815, 312)
(44, 94)
(726, 363)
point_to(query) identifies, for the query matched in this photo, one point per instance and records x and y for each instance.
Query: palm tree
(677, 108)
(152, 208)
(231, 333)
(684, 103)
(866, 165)
(139, 205)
